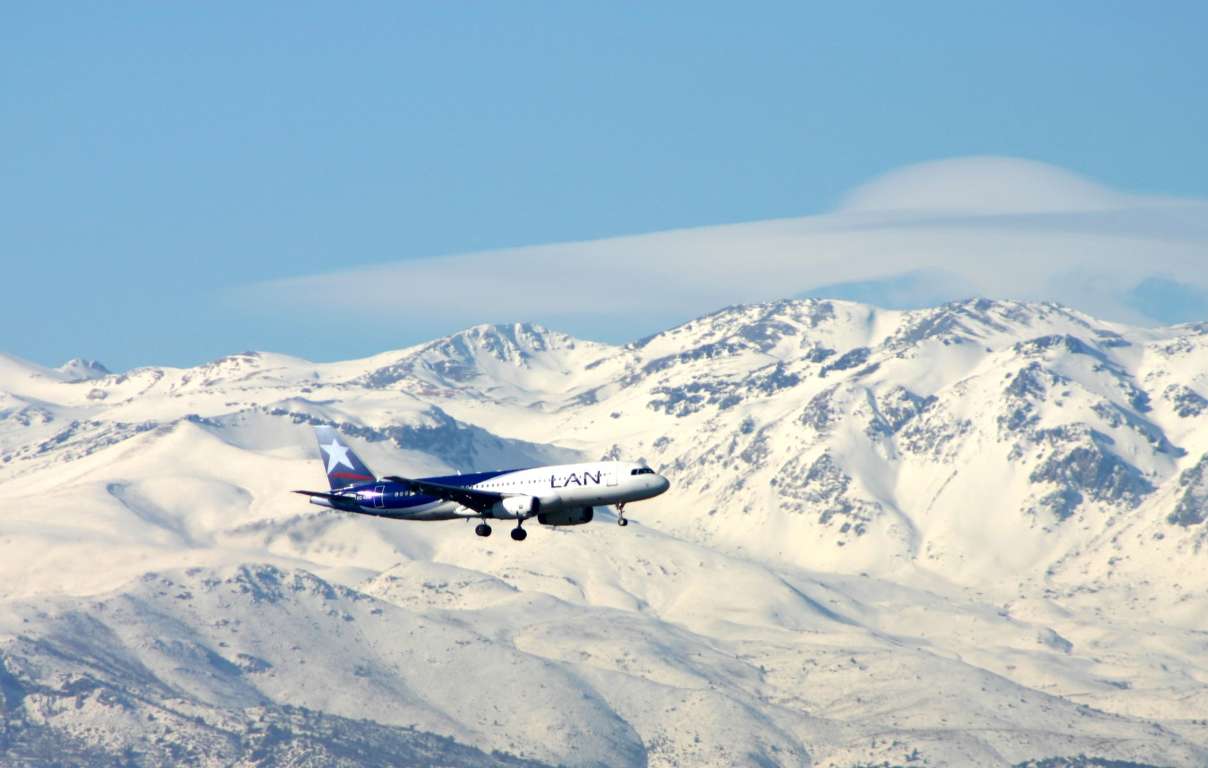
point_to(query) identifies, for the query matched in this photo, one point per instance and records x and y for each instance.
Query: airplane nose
(662, 484)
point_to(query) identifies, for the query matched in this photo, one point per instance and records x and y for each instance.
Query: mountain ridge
(992, 510)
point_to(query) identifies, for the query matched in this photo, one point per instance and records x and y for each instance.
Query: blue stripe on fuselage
(395, 500)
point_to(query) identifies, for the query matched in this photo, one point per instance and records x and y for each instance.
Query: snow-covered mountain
(966, 535)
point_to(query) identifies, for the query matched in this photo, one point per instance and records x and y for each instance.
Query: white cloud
(992, 226)
(984, 185)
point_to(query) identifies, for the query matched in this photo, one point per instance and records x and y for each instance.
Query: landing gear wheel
(519, 534)
(482, 529)
(621, 521)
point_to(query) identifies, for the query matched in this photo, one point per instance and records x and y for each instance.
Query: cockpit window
(642, 471)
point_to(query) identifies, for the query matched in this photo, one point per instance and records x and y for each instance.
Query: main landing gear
(518, 533)
(621, 521)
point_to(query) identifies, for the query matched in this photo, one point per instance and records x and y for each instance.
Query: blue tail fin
(343, 467)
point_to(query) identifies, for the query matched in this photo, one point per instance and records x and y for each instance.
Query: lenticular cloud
(988, 226)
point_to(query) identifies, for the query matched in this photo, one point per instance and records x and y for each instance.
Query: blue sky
(162, 158)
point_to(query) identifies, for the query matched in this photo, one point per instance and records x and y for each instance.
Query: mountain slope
(971, 534)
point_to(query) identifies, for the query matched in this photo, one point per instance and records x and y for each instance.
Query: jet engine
(516, 506)
(569, 516)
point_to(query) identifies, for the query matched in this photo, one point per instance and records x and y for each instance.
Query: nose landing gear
(621, 521)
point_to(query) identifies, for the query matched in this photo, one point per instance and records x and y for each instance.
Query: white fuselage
(556, 487)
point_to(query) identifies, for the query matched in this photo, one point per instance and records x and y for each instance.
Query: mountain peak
(82, 369)
(513, 343)
(988, 496)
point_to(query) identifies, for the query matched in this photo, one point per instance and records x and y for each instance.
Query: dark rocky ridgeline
(455, 359)
(1187, 403)
(1192, 507)
(269, 735)
(1081, 761)
(74, 692)
(824, 488)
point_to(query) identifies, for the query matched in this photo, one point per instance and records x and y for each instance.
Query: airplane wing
(479, 501)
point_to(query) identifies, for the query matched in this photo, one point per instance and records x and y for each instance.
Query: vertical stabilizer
(343, 466)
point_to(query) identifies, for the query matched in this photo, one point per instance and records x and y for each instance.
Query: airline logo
(337, 456)
(575, 478)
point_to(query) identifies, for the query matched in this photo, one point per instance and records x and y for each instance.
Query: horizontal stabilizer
(343, 503)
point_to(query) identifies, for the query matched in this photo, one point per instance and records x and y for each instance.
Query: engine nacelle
(516, 506)
(569, 516)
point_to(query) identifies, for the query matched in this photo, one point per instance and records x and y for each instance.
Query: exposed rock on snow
(966, 535)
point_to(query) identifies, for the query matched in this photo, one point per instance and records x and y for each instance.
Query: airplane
(561, 494)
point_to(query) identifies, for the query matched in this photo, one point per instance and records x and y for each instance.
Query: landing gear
(519, 534)
(621, 521)
(482, 529)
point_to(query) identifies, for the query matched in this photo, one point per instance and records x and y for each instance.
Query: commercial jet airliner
(562, 494)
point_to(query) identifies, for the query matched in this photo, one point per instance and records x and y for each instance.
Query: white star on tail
(336, 455)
